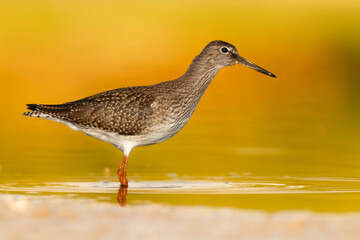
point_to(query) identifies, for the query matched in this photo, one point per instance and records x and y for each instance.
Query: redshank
(138, 116)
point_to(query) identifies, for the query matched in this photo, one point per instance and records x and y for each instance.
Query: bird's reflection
(121, 197)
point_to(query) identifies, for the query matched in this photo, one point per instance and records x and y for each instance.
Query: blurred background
(304, 123)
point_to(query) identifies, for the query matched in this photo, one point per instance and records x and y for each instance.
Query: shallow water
(316, 194)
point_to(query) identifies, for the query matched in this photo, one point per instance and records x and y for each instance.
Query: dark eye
(224, 50)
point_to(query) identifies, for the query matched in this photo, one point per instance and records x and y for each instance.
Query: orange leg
(121, 172)
(121, 197)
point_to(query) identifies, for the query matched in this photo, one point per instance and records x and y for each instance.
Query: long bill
(251, 65)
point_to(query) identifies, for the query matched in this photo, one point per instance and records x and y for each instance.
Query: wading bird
(138, 116)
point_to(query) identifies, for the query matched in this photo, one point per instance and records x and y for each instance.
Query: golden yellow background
(303, 123)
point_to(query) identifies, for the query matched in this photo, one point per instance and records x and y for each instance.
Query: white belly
(124, 142)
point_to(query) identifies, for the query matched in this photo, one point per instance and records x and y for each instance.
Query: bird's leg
(121, 172)
(121, 197)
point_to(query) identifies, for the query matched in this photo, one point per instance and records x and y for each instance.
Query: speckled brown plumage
(136, 116)
(124, 111)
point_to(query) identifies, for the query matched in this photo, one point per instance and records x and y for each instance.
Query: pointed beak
(249, 64)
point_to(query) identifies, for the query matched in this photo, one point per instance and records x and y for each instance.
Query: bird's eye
(224, 50)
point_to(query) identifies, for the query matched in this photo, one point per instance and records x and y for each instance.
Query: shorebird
(138, 116)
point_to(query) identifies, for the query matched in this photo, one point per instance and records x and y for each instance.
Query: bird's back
(125, 111)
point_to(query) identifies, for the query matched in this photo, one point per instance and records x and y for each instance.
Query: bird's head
(223, 54)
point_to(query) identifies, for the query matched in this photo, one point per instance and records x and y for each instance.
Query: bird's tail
(33, 112)
(39, 110)
(32, 107)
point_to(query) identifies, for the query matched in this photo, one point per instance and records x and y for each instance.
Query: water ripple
(284, 185)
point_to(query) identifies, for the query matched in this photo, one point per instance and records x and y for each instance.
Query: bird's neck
(200, 74)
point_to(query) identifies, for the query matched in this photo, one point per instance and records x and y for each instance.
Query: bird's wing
(126, 111)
